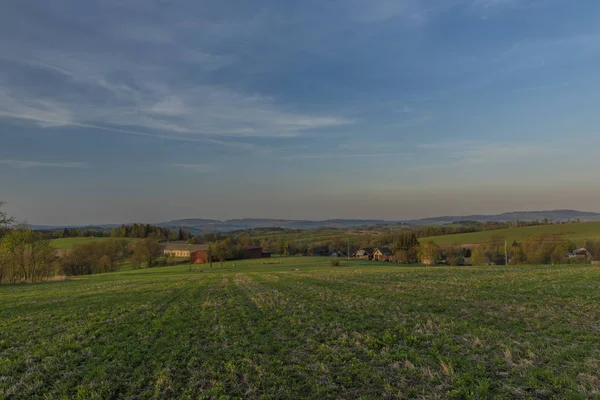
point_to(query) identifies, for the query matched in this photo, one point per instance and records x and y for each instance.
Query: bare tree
(26, 256)
(5, 220)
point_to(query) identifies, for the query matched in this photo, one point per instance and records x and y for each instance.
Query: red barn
(199, 257)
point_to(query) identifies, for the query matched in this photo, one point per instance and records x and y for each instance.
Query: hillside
(68, 243)
(203, 225)
(578, 233)
(207, 225)
(299, 328)
(210, 225)
(554, 215)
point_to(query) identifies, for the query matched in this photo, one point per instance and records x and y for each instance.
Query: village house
(364, 253)
(251, 252)
(383, 254)
(580, 254)
(183, 249)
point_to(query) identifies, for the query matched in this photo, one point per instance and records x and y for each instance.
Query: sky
(120, 111)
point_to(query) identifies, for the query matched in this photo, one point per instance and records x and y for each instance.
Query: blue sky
(131, 110)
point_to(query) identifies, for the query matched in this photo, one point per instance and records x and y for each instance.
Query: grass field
(578, 233)
(297, 328)
(68, 243)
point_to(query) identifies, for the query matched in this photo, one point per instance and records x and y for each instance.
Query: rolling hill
(200, 225)
(68, 243)
(577, 233)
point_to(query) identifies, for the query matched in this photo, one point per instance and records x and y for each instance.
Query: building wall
(381, 257)
(177, 253)
(200, 257)
(253, 253)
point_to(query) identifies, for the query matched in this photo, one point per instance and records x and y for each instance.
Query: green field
(297, 328)
(68, 243)
(578, 233)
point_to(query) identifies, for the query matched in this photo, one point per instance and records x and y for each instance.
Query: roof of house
(365, 251)
(252, 248)
(185, 246)
(385, 251)
(580, 250)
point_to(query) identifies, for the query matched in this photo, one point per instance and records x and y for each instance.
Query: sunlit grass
(297, 328)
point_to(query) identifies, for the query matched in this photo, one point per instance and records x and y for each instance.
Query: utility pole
(505, 253)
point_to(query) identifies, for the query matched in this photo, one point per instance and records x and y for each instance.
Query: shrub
(335, 263)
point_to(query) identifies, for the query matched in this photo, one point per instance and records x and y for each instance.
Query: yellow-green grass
(68, 243)
(577, 233)
(298, 328)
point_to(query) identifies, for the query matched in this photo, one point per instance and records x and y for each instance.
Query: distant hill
(207, 225)
(578, 233)
(198, 225)
(554, 215)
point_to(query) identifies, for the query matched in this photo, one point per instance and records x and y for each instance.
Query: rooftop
(185, 246)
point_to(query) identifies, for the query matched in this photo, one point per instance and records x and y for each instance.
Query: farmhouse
(183, 249)
(364, 253)
(383, 254)
(250, 252)
(580, 254)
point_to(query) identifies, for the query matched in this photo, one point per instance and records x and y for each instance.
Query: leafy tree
(223, 251)
(593, 246)
(147, 250)
(539, 248)
(210, 253)
(96, 257)
(516, 255)
(479, 256)
(25, 256)
(454, 255)
(429, 253)
(559, 255)
(401, 256)
(406, 247)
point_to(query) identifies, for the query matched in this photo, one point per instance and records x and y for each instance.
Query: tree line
(543, 248)
(137, 231)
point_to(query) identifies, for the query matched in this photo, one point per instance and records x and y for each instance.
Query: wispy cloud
(487, 7)
(180, 112)
(382, 10)
(463, 152)
(42, 164)
(113, 84)
(341, 155)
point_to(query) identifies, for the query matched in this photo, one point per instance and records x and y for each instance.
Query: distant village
(201, 254)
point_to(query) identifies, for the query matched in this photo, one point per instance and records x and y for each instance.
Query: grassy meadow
(68, 243)
(298, 328)
(578, 233)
